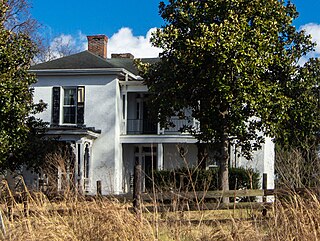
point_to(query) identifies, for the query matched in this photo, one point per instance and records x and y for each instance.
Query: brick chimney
(97, 44)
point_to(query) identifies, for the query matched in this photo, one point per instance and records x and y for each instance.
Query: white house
(98, 105)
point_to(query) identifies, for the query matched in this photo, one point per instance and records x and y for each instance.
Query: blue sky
(97, 16)
(128, 21)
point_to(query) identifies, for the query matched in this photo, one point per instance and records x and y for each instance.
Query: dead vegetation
(292, 217)
(74, 219)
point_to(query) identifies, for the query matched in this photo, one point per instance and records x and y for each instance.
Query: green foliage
(241, 178)
(184, 179)
(302, 128)
(231, 63)
(16, 53)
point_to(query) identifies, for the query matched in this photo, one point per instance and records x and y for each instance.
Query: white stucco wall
(118, 169)
(269, 159)
(262, 161)
(101, 101)
(172, 158)
(42, 92)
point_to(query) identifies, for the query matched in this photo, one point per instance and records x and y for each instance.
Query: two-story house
(98, 105)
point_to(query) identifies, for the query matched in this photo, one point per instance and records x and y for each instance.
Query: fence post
(137, 187)
(264, 185)
(99, 191)
(25, 203)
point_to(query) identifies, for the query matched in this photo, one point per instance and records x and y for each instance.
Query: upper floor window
(71, 107)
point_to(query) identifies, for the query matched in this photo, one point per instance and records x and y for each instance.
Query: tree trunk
(224, 166)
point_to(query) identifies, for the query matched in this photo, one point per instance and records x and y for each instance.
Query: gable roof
(88, 60)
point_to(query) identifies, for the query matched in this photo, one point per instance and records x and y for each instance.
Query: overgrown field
(292, 218)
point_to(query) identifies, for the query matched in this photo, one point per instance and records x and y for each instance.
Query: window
(69, 105)
(72, 105)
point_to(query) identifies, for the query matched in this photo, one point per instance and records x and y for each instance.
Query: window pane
(69, 115)
(69, 96)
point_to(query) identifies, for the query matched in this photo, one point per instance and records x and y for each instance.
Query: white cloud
(63, 41)
(312, 29)
(82, 41)
(122, 41)
(62, 45)
(125, 42)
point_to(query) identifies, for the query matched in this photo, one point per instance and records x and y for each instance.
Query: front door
(150, 164)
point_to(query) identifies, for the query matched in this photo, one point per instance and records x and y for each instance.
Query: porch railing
(179, 125)
(140, 126)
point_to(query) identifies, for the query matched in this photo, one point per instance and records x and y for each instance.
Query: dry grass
(293, 218)
(76, 220)
(296, 218)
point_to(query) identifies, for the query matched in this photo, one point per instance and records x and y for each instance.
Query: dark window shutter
(80, 105)
(55, 106)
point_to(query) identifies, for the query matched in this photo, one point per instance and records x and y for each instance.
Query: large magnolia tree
(16, 53)
(232, 62)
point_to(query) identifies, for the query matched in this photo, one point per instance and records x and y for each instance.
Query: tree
(303, 125)
(16, 104)
(17, 18)
(297, 150)
(57, 47)
(231, 62)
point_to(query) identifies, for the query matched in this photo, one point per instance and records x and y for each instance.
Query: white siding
(100, 112)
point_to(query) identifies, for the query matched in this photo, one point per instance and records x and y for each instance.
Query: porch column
(160, 156)
(124, 116)
(72, 172)
(125, 111)
(79, 167)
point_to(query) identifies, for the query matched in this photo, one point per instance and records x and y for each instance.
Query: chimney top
(97, 44)
(122, 56)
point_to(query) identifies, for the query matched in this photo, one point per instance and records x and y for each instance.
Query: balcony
(179, 125)
(138, 126)
(137, 119)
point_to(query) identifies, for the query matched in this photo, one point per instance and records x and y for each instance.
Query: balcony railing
(179, 125)
(140, 126)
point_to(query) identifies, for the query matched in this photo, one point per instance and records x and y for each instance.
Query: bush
(185, 179)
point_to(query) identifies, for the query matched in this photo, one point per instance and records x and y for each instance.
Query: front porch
(155, 156)
(69, 165)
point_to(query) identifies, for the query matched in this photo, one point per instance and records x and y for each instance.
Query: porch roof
(62, 131)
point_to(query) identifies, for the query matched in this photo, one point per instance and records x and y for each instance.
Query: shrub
(198, 179)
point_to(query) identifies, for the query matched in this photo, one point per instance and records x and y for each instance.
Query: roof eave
(96, 71)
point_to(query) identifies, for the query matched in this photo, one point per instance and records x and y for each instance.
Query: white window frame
(77, 99)
(63, 105)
